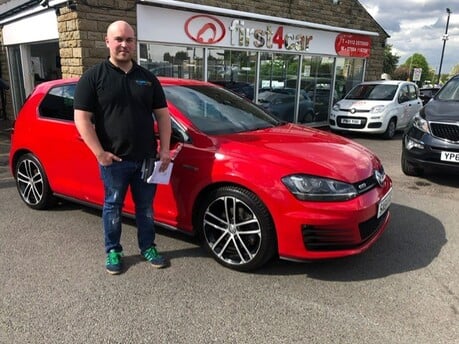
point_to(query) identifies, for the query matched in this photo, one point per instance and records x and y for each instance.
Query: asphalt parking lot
(405, 289)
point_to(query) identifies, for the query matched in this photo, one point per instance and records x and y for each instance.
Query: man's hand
(106, 158)
(165, 158)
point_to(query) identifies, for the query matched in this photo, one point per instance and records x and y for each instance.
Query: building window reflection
(293, 87)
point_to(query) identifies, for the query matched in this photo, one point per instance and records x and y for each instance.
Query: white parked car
(377, 107)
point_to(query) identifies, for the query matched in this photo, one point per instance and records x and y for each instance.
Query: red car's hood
(299, 149)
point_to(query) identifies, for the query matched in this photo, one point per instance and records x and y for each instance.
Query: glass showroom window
(349, 73)
(172, 61)
(233, 69)
(231, 65)
(317, 80)
(279, 92)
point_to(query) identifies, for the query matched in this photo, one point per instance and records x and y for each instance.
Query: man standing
(119, 97)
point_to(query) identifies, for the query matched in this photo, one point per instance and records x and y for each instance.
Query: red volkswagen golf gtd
(254, 188)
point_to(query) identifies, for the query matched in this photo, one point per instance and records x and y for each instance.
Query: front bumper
(335, 229)
(358, 123)
(423, 150)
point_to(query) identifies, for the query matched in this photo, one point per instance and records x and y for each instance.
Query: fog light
(412, 143)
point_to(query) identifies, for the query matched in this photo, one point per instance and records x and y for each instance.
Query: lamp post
(445, 38)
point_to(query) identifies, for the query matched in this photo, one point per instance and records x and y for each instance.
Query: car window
(450, 91)
(265, 96)
(288, 99)
(404, 94)
(373, 92)
(412, 92)
(58, 103)
(214, 110)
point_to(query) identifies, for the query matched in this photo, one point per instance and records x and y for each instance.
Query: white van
(378, 107)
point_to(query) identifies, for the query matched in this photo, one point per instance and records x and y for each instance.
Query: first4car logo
(205, 29)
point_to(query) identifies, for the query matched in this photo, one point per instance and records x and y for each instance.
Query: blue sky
(418, 26)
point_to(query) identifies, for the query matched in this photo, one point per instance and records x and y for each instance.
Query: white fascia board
(25, 29)
(253, 16)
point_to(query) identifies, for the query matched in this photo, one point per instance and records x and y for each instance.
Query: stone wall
(82, 32)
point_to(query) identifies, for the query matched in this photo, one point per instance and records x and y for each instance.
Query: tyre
(408, 168)
(307, 117)
(390, 131)
(237, 229)
(32, 183)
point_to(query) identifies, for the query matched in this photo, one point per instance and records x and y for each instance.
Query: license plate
(351, 121)
(384, 203)
(450, 156)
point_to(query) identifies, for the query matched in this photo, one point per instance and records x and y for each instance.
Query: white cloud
(418, 26)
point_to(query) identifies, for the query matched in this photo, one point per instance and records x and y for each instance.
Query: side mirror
(176, 137)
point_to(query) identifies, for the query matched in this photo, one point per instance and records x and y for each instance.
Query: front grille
(447, 131)
(371, 226)
(367, 184)
(370, 182)
(330, 239)
(355, 110)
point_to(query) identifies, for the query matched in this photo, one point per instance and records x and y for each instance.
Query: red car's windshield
(214, 110)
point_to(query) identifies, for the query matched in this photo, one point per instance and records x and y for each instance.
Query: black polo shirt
(122, 104)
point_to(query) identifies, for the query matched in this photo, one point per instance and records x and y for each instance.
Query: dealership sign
(352, 45)
(163, 25)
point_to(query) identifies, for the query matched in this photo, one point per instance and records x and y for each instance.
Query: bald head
(119, 25)
(120, 40)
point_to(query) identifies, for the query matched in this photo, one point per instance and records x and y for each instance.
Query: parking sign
(417, 74)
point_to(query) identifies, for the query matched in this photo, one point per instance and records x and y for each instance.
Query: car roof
(387, 82)
(164, 81)
(429, 88)
(179, 81)
(271, 94)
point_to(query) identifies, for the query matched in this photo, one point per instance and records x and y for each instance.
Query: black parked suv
(431, 142)
(427, 93)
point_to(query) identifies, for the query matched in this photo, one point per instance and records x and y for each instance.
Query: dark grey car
(431, 142)
(281, 103)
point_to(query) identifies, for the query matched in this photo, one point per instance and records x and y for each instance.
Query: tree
(444, 78)
(181, 56)
(417, 61)
(455, 70)
(390, 60)
(401, 73)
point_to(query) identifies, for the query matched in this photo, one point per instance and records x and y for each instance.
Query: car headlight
(421, 124)
(336, 107)
(377, 109)
(311, 188)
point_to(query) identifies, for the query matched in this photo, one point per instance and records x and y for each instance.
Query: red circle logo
(205, 29)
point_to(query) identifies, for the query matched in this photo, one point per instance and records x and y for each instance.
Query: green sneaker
(155, 259)
(113, 262)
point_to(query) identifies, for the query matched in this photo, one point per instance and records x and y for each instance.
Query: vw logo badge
(380, 176)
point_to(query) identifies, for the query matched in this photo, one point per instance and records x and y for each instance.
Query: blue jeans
(117, 177)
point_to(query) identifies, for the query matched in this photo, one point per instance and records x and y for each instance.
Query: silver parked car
(377, 107)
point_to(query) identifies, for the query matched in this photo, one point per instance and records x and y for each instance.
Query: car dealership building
(318, 47)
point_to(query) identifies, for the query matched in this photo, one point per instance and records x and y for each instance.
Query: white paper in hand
(158, 177)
